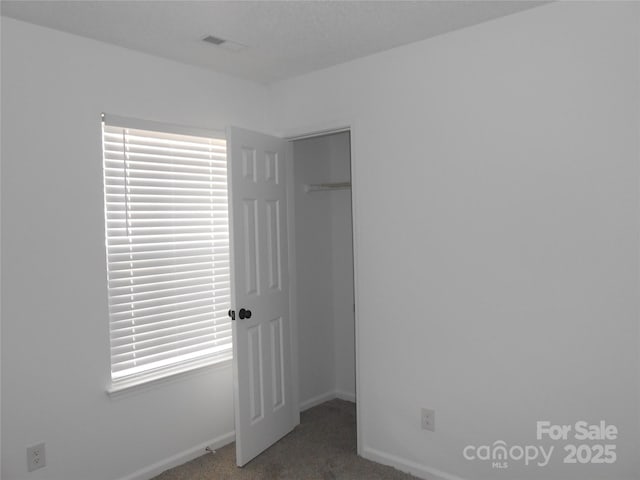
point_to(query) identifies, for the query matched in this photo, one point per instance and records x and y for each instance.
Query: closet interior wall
(324, 270)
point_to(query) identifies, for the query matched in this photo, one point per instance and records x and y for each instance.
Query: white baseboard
(180, 458)
(317, 400)
(349, 397)
(325, 397)
(404, 465)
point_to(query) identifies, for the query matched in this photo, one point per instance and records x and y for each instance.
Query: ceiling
(283, 38)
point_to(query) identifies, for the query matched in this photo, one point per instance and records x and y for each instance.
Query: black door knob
(242, 313)
(232, 314)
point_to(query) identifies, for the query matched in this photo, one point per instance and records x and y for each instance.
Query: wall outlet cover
(36, 457)
(428, 419)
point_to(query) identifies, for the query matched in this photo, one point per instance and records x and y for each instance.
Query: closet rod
(320, 187)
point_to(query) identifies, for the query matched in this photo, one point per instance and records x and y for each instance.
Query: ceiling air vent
(222, 43)
(214, 40)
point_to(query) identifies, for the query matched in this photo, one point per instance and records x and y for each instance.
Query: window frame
(180, 368)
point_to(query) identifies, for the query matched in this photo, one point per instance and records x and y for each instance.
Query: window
(167, 241)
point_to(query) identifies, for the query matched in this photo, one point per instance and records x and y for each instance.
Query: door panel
(256, 395)
(273, 244)
(264, 409)
(251, 242)
(277, 365)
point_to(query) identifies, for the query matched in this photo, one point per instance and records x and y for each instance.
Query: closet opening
(324, 271)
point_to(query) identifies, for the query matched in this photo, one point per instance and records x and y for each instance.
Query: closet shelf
(323, 187)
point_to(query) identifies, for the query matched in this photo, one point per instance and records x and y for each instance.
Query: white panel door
(264, 411)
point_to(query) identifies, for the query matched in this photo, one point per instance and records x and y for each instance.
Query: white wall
(55, 344)
(324, 270)
(496, 198)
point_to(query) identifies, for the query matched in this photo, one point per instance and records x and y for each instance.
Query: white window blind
(167, 240)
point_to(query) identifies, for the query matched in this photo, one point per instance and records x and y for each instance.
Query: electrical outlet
(36, 457)
(428, 419)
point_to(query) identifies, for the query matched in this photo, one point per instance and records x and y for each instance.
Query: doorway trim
(300, 134)
(320, 133)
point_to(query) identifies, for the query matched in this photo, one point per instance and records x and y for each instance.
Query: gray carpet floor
(322, 447)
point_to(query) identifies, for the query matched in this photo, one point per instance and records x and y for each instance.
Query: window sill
(153, 379)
